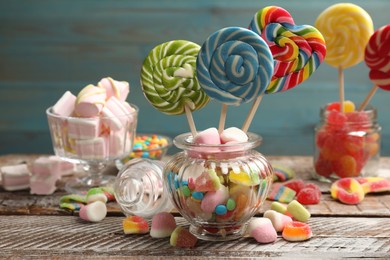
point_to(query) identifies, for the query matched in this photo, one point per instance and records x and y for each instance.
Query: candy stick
(190, 120)
(222, 118)
(341, 89)
(251, 113)
(234, 66)
(368, 97)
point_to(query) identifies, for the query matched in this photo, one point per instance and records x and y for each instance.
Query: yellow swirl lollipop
(346, 28)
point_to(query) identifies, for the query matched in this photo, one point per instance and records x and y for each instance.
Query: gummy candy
(308, 196)
(345, 166)
(295, 185)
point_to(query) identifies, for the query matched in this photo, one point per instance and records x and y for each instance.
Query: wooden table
(35, 227)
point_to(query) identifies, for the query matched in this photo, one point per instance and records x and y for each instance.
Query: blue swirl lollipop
(234, 66)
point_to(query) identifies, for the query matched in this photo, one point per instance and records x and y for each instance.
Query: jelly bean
(186, 191)
(230, 204)
(152, 147)
(197, 195)
(220, 210)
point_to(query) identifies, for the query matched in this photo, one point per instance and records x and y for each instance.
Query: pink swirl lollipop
(377, 58)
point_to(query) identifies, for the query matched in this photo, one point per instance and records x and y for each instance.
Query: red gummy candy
(309, 196)
(323, 167)
(313, 186)
(345, 166)
(336, 119)
(295, 185)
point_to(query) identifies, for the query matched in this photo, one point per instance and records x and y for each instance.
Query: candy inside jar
(346, 144)
(218, 188)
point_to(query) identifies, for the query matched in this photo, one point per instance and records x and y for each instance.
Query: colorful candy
(150, 146)
(347, 190)
(297, 231)
(298, 211)
(135, 225)
(93, 212)
(181, 237)
(262, 230)
(346, 28)
(234, 65)
(282, 172)
(377, 57)
(297, 50)
(96, 194)
(374, 184)
(163, 224)
(168, 78)
(281, 193)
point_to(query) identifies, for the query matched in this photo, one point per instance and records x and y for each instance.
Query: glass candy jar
(346, 144)
(218, 188)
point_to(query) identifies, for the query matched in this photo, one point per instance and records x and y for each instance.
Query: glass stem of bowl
(95, 169)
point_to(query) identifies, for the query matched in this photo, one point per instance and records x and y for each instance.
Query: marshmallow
(278, 220)
(163, 224)
(65, 105)
(120, 110)
(117, 145)
(91, 149)
(93, 212)
(90, 101)
(118, 89)
(15, 177)
(233, 134)
(96, 194)
(83, 128)
(208, 136)
(262, 230)
(43, 186)
(213, 198)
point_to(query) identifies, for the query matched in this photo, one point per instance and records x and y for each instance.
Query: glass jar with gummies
(346, 144)
(218, 188)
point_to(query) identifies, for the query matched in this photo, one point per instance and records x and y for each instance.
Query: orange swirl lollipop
(377, 58)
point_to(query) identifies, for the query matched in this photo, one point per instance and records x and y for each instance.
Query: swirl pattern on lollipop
(346, 28)
(377, 57)
(234, 65)
(297, 50)
(168, 78)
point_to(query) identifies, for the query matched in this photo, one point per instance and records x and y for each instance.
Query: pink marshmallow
(109, 119)
(65, 168)
(65, 105)
(15, 177)
(90, 101)
(43, 186)
(279, 220)
(233, 135)
(116, 144)
(93, 212)
(163, 224)
(91, 149)
(262, 230)
(119, 109)
(83, 128)
(208, 136)
(213, 198)
(118, 89)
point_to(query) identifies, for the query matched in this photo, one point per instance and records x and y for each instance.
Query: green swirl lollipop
(168, 78)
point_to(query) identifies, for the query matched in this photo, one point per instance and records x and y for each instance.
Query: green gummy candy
(298, 211)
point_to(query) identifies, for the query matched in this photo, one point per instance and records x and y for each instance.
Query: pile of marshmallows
(96, 119)
(40, 175)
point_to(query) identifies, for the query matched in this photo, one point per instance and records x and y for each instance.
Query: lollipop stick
(190, 120)
(222, 118)
(251, 113)
(341, 89)
(368, 97)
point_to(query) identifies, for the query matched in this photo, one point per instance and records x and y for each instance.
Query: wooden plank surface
(48, 47)
(34, 227)
(40, 236)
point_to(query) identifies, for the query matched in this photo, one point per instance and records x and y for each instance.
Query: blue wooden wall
(47, 47)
